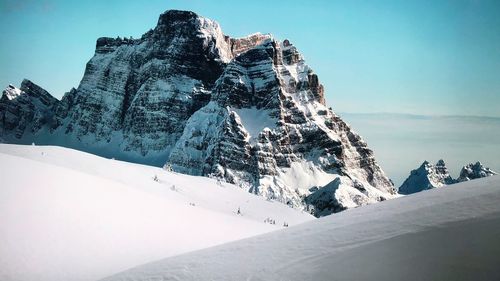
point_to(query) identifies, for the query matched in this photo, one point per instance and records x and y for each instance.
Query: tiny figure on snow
(285, 224)
(239, 211)
(167, 167)
(155, 178)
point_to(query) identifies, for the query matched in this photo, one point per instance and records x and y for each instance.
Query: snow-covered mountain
(442, 234)
(247, 110)
(69, 215)
(429, 176)
(474, 171)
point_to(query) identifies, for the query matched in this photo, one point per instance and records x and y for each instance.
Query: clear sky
(423, 57)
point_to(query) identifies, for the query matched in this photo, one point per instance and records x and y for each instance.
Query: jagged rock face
(267, 125)
(147, 88)
(427, 176)
(474, 171)
(25, 110)
(248, 110)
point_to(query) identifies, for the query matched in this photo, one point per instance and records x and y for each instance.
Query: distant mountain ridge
(429, 176)
(247, 110)
(473, 171)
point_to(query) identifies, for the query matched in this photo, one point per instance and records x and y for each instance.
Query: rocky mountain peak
(173, 17)
(182, 23)
(441, 167)
(247, 110)
(11, 92)
(474, 171)
(25, 111)
(36, 91)
(185, 28)
(427, 176)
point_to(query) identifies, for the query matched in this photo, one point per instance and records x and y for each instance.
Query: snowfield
(451, 233)
(69, 215)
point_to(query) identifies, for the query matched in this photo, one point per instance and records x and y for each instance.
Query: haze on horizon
(416, 57)
(401, 142)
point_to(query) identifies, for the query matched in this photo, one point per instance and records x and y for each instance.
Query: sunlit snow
(69, 215)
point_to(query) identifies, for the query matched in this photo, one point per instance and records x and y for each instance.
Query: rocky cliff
(248, 110)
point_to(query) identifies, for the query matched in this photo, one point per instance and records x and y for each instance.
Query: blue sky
(420, 57)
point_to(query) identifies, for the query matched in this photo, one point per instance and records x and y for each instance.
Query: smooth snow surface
(450, 233)
(69, 215)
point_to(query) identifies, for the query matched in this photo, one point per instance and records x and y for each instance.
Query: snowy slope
(440, 234)
(68, 215)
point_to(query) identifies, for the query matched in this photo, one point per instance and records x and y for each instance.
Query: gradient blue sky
(421, 57)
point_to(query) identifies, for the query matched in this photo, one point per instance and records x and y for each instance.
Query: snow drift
(69, 215)
(441, 234)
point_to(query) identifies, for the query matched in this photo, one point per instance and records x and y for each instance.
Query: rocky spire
(474, 171)
(427, 176)
(25, 111)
